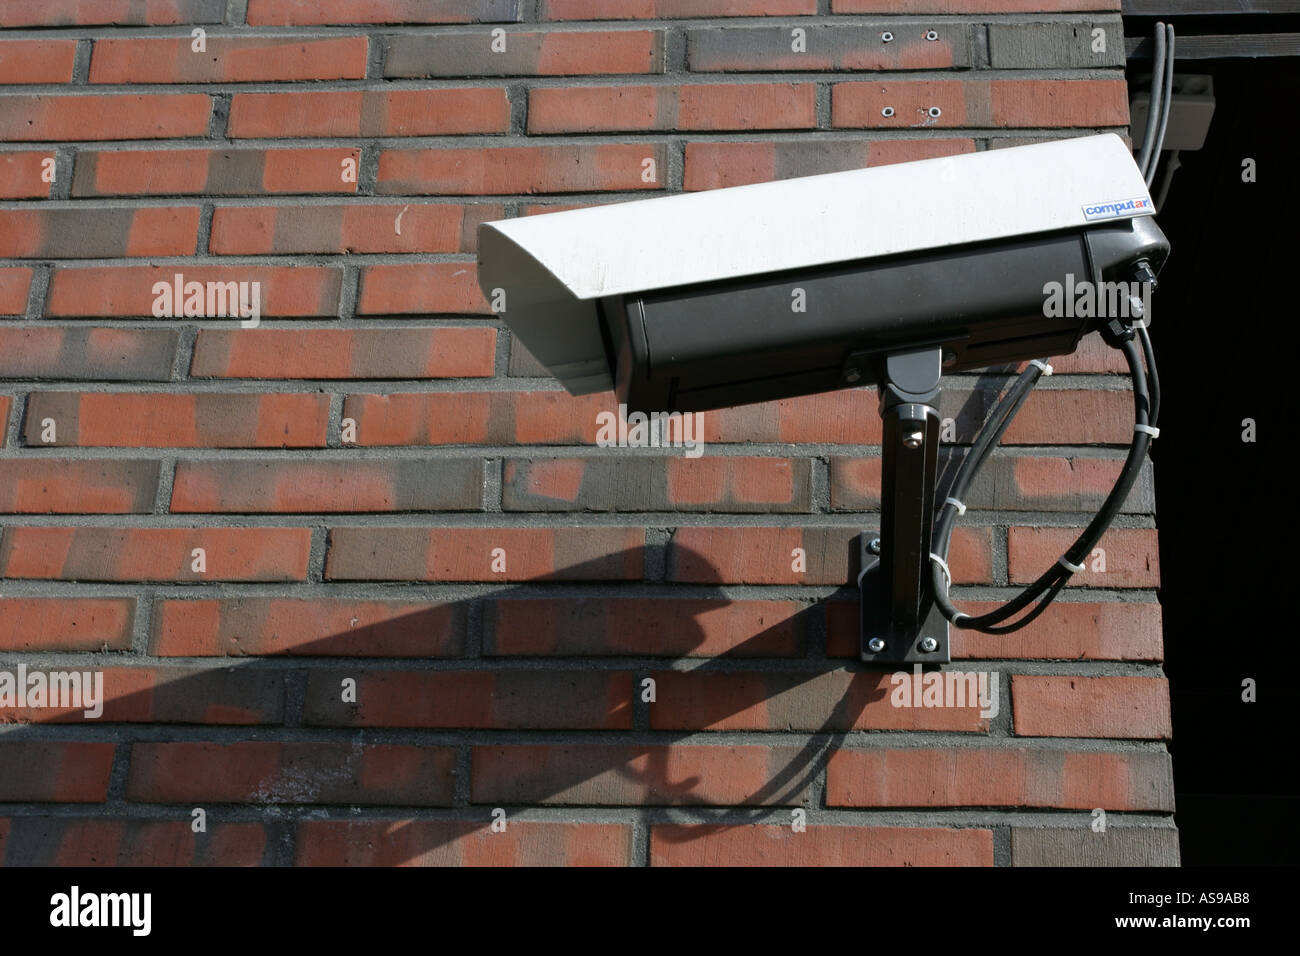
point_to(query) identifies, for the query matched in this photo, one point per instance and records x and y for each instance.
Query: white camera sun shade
(551, 271)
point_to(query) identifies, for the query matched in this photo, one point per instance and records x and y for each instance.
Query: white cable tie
(1149, 429)
(1047, 369)
(1075, 568)
(961, 508)
(943, 565)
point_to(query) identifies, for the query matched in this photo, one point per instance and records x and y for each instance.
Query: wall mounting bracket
(900, 622)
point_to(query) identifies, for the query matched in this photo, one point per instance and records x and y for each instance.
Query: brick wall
(350, 467)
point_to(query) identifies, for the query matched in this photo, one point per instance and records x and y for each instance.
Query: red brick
(87, 353)
(695, 844)
(66, 623)
(335, 229)
(797, 701)
(209, 172)
(980, 103)
(1061, 416)
(14, 283)
(321, 627)
(280, 13)
(290, 291)
(21, 175)
(262, 772)
(227, 59)
(178, 420)
(66, 13)
(465, 554)
(500, 700)
(714, 165)
(418, 353)
(36, 61)
(839, 47)
(1072, 706)
(670, 9)
(370, 113)
(155, 554)
(461, 843)
(93, 486)
(254, 485)
(421, 288)
(175, 695)
(1067, 630)
(520, 169)
(632, 775)
(104, 232)
(47, 771)
(696, 106)
(472, 418)
(69, 841)
(103, 116)
(1000, 777)
(1038, 483)
(708, 555)
(645, 627)
(526, 53)
(723, 484)
(1132, 556)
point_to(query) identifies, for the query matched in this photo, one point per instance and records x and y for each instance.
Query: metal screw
(931, 35)
(886, 36)
(913, 439)
(853, 375)
(875, 645)
(935, 112)
(929, 645)
(874, 545)
(887, 111)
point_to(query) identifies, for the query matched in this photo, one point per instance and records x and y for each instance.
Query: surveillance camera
(761, 292)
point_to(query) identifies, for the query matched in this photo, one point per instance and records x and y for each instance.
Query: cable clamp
(943, 565)
(1073, 568)
(961, 508)
(1149, 429)
(1047, 369)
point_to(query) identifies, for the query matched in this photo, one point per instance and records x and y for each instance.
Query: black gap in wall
(1225, 334)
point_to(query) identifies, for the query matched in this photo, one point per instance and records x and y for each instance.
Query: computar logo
(103, 909)
(63, 690)
(1118, 208)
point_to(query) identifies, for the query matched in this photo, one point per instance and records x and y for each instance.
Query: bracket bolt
(874, 545)
(929, 645)
(931, 34)
(913, 439)
(887, 112)
(876, 645)
(934, 112)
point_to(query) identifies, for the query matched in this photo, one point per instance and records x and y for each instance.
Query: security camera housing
(888, 276)
(761, 292)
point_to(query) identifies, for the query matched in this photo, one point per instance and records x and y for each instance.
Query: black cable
(1167, 103)
(1157, 83)
(1050, 582)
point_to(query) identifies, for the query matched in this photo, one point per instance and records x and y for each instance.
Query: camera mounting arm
(900, 623)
